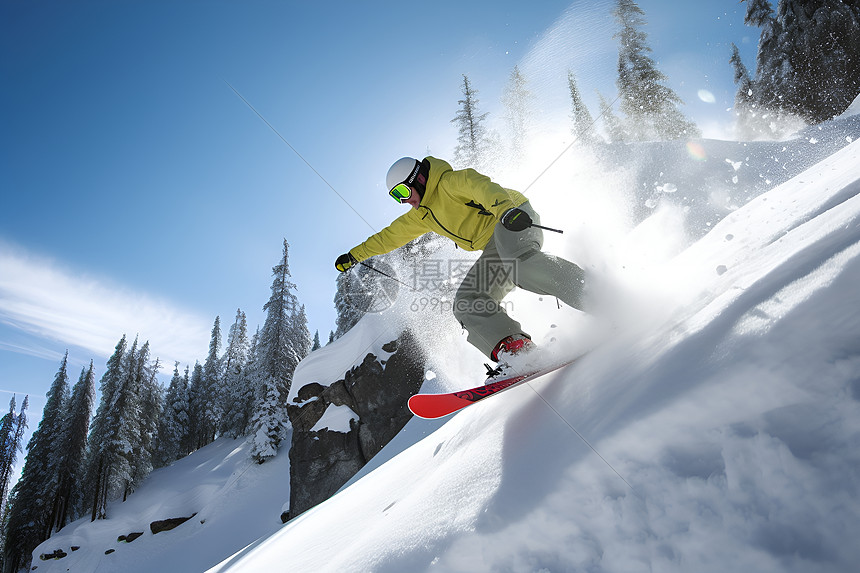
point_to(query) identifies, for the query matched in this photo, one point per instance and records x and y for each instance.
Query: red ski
(431, 406)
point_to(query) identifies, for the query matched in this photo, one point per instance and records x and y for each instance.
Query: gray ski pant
(511, 259)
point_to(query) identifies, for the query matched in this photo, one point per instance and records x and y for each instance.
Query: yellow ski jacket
(461, 205)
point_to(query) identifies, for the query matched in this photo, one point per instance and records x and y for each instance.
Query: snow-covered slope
(724, 439)
(717, 431)
(233, 499)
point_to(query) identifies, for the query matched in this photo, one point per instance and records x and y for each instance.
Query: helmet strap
(421, 178)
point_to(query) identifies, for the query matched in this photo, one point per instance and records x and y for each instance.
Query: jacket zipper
(432, 214)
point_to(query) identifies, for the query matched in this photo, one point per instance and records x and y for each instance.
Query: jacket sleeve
(492, 196)
(402, 230)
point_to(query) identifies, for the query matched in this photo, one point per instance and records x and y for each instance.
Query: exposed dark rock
(130, 537)
(310, 391)
(58, 554)
(376, 391)
(168, 524)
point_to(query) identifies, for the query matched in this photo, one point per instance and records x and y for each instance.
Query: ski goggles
(401, 192)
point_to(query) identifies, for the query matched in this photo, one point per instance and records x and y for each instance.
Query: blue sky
(141, 196)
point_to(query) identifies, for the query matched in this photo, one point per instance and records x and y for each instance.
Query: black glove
(516, 220)
(345, 262)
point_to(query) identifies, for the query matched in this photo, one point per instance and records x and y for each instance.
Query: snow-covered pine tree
(772, 67)
(250, 384)
(808, 60)
(317, 344)
(759, 13)
(186, 443)
(98, 460)
(210, 413)
(583, 123)
(7, 428)
(280, 348)
(745, 108)
(30, 516)
(650, 107)
(150, 396)
(517, 101)
(373, 288)
(73, 446)
(197, 407)
(120, 449)
(123, 438)
(471, 150)
(820, 44)
(173, 423)
(15, 447)
(235, 360)
(348, 302)
(8, 455)
(611, 122)
(12, 428)
(300, 335)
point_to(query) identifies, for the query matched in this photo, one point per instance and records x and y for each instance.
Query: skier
(478, 215)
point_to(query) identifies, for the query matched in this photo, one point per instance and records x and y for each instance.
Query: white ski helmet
(404, 170)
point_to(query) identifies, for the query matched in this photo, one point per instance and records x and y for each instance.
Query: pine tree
(583, 123)
(281, 346)
(234, 416)
(350, 301)
(472, 146)
(99, 454)
(251, 387)
(649, 106)
(150, 400)
(300, 336)
(614, 130)
(12, 428)
(186, 443)
(821, 67)
(744, 95)
(210, 412)
(517, 101)
(73, 446)
(808, 60)
(173, 423)
(197, 407)
(30, 518)
(770, 61)
(8, 454)
(317, 345)
(121, 442)
(123, 439)
(745, 107)
(759, 13)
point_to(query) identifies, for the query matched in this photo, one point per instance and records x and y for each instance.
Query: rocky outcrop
(130, 537)
(156, 527)
(168, 524)
(376, 391)
(57, 554)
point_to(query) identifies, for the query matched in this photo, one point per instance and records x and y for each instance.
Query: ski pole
(547, 228)
(395, 279)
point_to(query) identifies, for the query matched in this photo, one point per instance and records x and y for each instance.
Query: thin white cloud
(39, 297)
